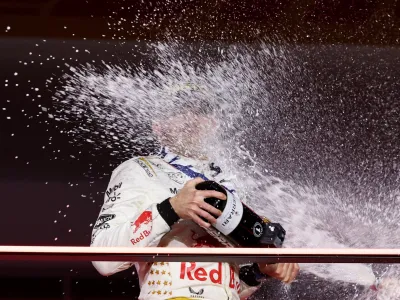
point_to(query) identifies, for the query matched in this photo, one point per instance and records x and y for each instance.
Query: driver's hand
(189, 203)
(285, 272)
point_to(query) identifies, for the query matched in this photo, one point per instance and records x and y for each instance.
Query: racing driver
(152, 201)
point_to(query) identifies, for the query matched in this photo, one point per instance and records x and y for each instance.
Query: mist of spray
(246, 87)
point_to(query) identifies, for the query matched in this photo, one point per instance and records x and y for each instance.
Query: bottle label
(231, 216)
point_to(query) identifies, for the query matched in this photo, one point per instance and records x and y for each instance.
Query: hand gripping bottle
(241, 226)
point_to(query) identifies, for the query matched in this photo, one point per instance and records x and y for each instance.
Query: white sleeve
(129, 216)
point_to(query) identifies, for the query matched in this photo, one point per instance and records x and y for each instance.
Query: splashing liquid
(248, 89)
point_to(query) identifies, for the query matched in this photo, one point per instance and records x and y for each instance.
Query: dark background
(64, 182)
(322, 21)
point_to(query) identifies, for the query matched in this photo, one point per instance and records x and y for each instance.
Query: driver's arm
(129, 217)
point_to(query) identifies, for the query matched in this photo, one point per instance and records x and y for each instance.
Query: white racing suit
(130, 217)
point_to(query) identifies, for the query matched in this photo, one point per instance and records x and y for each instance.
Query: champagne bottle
(239, 224)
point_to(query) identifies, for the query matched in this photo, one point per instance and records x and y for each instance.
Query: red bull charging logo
(144, 219)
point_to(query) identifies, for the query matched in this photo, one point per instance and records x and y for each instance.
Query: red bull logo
(194, 272)
(141, 237)
(144, 219)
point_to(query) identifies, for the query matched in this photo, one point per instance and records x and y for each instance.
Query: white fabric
(129, 218)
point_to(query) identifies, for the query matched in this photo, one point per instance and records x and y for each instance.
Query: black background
(40, 183)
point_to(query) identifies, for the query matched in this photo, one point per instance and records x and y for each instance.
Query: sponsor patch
(190, 271)
(144, 234)
(104, 226)
(178, 177)
(102, 220)
(194, 272)
(146, 167)
(173, 191)
(112, 193)
(196, 294)
(144, 220)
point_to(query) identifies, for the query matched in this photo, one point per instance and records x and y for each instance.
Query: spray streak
(113, 107)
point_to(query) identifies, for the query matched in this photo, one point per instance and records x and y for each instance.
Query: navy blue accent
(174, 159)
(193, 174)
(163, 152)
(189, 172)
